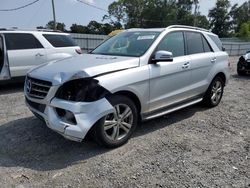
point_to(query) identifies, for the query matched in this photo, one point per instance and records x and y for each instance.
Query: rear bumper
(85, 114)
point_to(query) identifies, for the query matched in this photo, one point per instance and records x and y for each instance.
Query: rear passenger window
(194, 43)
(207, 47)
(216, 41)
(173, 42)
(21, 41)
(59, 40)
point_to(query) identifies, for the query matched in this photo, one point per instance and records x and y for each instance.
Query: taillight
(78, 50)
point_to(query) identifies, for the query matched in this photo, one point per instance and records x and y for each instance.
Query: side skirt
(170, 109)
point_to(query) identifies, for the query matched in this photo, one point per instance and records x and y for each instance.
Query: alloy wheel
(216, 93)
(118, 124)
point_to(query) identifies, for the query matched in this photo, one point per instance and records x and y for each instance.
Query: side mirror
(223, 49)
(161, 56)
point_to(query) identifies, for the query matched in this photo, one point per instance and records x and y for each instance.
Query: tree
(95, 27)
(220, 18)
(59, 26)
(159, 13)
(78, 29)
(202, 22)
(244, 32)
(40, 27)
(240, 15)
(184, 12)
(152, 13)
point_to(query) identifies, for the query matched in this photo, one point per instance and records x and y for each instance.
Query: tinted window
(194, 43)
(207, 47)
(1, 54)
(216, 41)
(173, 42)
(60, 40)
(21, 41)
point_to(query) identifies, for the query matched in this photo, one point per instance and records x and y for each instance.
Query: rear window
(21, 41)
(216, 41)
(60, 40)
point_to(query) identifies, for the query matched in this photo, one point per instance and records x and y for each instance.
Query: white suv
(27, 49)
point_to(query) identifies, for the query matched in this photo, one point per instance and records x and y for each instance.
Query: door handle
(213, 60)
(39, 55)
(186, 65)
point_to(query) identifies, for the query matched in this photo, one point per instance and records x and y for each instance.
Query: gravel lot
(194, 147)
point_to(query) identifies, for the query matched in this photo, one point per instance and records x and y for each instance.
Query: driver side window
(173, 42)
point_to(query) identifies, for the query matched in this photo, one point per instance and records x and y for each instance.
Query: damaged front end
(243, 65)
(82, 90)
(74, 107)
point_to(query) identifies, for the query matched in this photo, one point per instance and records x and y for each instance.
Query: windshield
(133, 44)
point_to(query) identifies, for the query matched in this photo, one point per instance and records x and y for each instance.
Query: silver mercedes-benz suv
(136, 75)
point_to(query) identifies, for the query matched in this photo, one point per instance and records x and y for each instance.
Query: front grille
(36, 106)
(37, 88)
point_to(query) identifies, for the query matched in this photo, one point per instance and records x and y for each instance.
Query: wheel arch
(133, 97)
(222, 76)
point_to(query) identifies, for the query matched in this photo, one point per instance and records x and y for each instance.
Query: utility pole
(54, 14)
(196, 9)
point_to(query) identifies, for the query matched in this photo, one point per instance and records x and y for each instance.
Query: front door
(170, 81)
(4, 64)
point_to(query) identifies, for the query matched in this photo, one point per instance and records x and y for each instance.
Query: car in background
(28, 49)
(139, 74)
(243, 66)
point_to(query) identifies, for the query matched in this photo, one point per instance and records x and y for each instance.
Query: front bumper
(244, 66)
(85, 114)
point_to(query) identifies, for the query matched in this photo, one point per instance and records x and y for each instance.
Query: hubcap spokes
(118, 124)
(216, 92)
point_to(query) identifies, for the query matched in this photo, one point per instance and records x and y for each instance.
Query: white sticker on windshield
(146, 37)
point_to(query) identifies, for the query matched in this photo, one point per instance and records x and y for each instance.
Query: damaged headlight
(82, 90)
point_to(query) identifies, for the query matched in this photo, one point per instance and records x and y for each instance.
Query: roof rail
(48, 30)
(187, 27)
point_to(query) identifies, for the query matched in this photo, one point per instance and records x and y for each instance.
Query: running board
(172, 109)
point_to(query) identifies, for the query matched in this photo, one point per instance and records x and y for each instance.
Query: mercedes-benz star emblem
(28, 86)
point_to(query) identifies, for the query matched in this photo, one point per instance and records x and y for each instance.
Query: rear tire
(115, 129)
(214, 92)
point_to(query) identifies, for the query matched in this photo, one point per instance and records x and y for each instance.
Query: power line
(18, 8)
(91, 5)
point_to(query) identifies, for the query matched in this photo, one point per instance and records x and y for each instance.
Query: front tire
(214, 93)
(239, 69)
(115, 129)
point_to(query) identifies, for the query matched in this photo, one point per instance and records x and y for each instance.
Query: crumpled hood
(87, 65)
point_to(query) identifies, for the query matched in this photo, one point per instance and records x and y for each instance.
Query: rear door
(24, 52)
(4, 64)
(63, 46)
(202, 60)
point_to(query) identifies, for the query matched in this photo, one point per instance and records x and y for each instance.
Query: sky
(67, 11)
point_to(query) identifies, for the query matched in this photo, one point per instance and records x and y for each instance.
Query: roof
(175, 27)
(32, 31)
